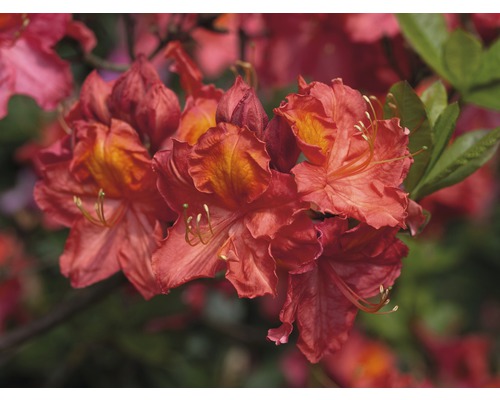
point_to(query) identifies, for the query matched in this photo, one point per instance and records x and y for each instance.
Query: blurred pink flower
(28, 63)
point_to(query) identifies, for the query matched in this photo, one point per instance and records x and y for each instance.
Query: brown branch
(60, 313)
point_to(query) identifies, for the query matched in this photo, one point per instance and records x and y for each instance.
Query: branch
(129, 30)
(98, 62)
(60, 313)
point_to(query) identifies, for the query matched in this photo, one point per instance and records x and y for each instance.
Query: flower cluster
(168, 195)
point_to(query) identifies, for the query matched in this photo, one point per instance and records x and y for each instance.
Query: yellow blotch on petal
(232, 163)
(197, 119)
(313, 131)
(114, 159)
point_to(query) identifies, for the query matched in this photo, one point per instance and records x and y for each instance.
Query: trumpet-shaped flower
(103, 187)
(356, 163)
(231, 206)
(323, 300)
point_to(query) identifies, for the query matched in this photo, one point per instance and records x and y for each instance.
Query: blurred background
(446, 332)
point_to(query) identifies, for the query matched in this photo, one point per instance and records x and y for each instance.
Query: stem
(60, 313)
(129, 29)
(98, 62)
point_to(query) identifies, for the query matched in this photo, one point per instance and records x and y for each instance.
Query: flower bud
(131, 88)
(240, 106)
(158, 114)
(94, 98)
(280, 144)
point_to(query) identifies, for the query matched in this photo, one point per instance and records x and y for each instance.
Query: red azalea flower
(364, 363)
(28, 63)
(104, 189)
(356, 163)
(230, 207)
(459, 361)
(324, 298)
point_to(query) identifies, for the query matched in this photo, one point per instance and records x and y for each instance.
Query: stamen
(205, 207)
(187, 223)
(62, 121)
(424, 148)
(374, 98)
(86, 214)
(196, 231)
(24, 24)
(249, 71)
(392, 103)
(361, 303)
(99, 210)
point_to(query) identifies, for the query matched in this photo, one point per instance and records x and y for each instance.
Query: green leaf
(487, 96)
(462, 57)
(407, 106)
(489, 69)
(435, 100)
(445, 125)
(427, 34)
(467, 154)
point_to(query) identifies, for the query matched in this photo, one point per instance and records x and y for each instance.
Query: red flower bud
(281, 144)
(240, 106)
(94, 98)
(158, 114)
(131, 88)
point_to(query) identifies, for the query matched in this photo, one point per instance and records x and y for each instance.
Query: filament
(365, 159)
(101, 219)
(361, 303)
(193, 233)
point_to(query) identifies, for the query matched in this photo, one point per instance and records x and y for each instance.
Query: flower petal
(315, 131)
(251, 269)
(94, 97)
(114, 159)
(38, 72)
(176, 262)
(198, 116)
(232, 163)
(136, 251)
(90, 253)
(296, 245)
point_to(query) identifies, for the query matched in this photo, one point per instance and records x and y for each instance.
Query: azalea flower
(364, 362)
(103, 187)
(28, 63)
(324, 297)
(355, 162)
(230, 205)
